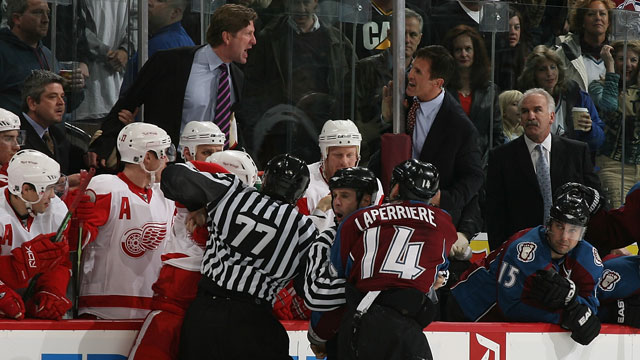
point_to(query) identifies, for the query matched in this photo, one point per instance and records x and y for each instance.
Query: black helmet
(570, 207)
(285, 178)
(418, 180)
(360, 179)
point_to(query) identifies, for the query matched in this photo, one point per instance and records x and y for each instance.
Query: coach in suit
(443, 135)
(42, 108)
(180, 85)
(515, 193)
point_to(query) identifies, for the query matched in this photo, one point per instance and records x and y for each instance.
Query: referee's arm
(191, 188)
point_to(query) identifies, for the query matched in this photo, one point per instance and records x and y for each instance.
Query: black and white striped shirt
(323, 289)
(256, 243)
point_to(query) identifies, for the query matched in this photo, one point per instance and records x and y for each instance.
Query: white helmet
(135, 139)
(200, 133)
(8, 120)
(238, 163)
(339, 133)
(32, 167)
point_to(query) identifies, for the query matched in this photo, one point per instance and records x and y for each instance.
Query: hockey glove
(552, 290)
(11, 305)
(590, 195)
(627, 311)
(38, 255)
(460, 250)
(582, 322)
(47, 305)
(282, 305)
(86, 208)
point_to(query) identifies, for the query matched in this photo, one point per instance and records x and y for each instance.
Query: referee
(257, 242)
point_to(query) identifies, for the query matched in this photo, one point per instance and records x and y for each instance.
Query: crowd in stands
(272, 77)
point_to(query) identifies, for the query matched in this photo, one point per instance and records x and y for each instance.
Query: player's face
(204, 151)
(564, 237)
(240, 43)
(535, 117)
(345, 201)
(50, 108)
(31, 195)
(9, 145)
(420, 83)
(339, 157)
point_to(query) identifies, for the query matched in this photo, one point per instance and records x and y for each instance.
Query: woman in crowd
(611, 100)
(510, 59)
(470, 84)
(510, 114)
(544, 69)
(580, 51)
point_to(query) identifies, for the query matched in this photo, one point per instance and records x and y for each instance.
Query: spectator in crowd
(320, 59)
(544, 69)
(125, 229)
(372, 74)
(11, 138)
(27, 251)
(42, 110)
(510, 112)
(232, 319)
(449, 14)
(619, 291)
(523, 173)
(21, 51)
(471, 87)
(183, 85)
(110, 42)
(340, 148)
(547, 273)
(510, 59)
(165, 32)
(200, 139)
(443, 136)
(613, 100)
(580, 50)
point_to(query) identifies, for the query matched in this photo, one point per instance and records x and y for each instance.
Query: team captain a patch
(526, 251)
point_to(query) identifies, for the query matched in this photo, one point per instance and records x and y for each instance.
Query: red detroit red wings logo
(137, 241)
(609, 280)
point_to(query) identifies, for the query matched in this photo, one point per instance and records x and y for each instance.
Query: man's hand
(127, 117)
(460, 250)
(11, 305)
(552, 290)
(196, 218)
(582, 322)
(607, 57)
(47, 305)
(584, 122)
(117, 59)
(320, 350)
(435, 200)
(387, 102)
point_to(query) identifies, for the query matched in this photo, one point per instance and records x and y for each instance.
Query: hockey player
(177, 283)
(619, 291)
(124, 230)
(30, 214)
(257, 244)
(11, 138)
(391, 255)
(339, 143)
(200, 139)
(544, 274)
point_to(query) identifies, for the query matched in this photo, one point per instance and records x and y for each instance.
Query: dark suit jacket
(160, 86)
(60, 143)
(514, 200)
(451, 146)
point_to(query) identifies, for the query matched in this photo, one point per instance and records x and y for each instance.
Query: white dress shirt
(425, 116)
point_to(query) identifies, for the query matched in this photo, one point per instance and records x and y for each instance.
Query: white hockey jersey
(13, 233)
(123, 261)
(319, 188)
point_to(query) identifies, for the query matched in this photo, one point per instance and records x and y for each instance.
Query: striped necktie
(544, 180)
(223, 102)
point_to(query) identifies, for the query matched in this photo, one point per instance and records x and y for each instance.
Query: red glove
(282, 306)
(38, 255)
(11, 305)
(47, 305)
(200, 236)
(86, 208)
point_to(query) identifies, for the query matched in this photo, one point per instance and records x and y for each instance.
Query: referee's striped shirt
(323, 289)
(256, 243)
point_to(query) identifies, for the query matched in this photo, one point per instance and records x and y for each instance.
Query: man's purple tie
(223, 102)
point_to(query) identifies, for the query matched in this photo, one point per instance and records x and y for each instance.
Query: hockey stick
(85, 177)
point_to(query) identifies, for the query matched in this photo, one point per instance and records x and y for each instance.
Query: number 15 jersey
(395, 245)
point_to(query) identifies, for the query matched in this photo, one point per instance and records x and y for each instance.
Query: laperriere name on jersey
(396, 212)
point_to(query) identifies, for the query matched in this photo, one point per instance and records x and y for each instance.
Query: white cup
(577, 115)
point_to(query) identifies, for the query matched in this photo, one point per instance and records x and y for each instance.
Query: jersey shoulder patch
(526, 251)
(609, 280)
